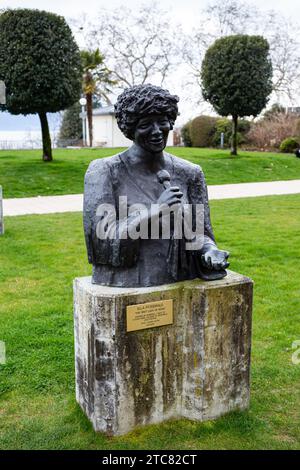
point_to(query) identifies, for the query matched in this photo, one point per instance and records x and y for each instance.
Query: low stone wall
(197, 367)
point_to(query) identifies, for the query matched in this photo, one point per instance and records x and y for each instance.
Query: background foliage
(71, 126)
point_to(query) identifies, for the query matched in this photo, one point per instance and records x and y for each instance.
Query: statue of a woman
(146, 175)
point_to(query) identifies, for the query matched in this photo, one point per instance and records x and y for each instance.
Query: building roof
(105, 111)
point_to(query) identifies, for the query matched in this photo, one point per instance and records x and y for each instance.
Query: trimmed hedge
(205, 131)
(289, 145)
(186, 134)
(225, 125)
(202, 131)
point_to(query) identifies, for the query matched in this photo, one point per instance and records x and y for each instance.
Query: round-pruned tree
(40, 64)
(236, 77)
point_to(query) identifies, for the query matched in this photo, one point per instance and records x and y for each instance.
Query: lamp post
(222, 140)
(2, 92)
(82, 115)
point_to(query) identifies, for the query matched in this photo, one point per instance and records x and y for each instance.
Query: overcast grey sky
(184, 11)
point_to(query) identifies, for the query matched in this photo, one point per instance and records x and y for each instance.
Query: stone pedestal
(196, 368)
(1, 213)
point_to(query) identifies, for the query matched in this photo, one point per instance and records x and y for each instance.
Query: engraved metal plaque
(149, 315)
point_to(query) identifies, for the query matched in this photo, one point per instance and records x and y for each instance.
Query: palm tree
(96, 81)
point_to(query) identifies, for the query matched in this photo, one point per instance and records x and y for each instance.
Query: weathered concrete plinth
(197, 368)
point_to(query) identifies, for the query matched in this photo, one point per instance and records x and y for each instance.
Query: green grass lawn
(40, 256)
(22, 172)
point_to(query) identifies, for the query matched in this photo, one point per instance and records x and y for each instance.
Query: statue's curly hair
(141, 100)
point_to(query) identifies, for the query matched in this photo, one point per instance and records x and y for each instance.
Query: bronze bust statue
(144, 176)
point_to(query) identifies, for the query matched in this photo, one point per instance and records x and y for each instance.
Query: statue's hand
(170, 196)
(214, 259)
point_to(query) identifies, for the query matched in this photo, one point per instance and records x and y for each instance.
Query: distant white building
(106, 132)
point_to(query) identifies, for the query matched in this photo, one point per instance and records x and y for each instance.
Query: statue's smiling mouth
(156, 141)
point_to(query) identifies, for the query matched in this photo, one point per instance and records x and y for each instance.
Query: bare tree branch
(139, 45)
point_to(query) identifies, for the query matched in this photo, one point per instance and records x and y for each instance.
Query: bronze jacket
(141, 262)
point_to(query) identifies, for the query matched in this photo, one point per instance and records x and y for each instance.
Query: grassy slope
(22, 172)
(40, 256)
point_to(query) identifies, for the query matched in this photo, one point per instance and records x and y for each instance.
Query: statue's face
(151, 132)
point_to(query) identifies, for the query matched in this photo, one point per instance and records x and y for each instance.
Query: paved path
(43, 204)
(73, 202)
(229, 191)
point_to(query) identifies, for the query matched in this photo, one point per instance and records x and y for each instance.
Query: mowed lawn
(23, 173)
(39, 258)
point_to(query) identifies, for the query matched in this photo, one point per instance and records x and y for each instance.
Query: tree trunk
(47, 150)
(89, 111)
(234, 135)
